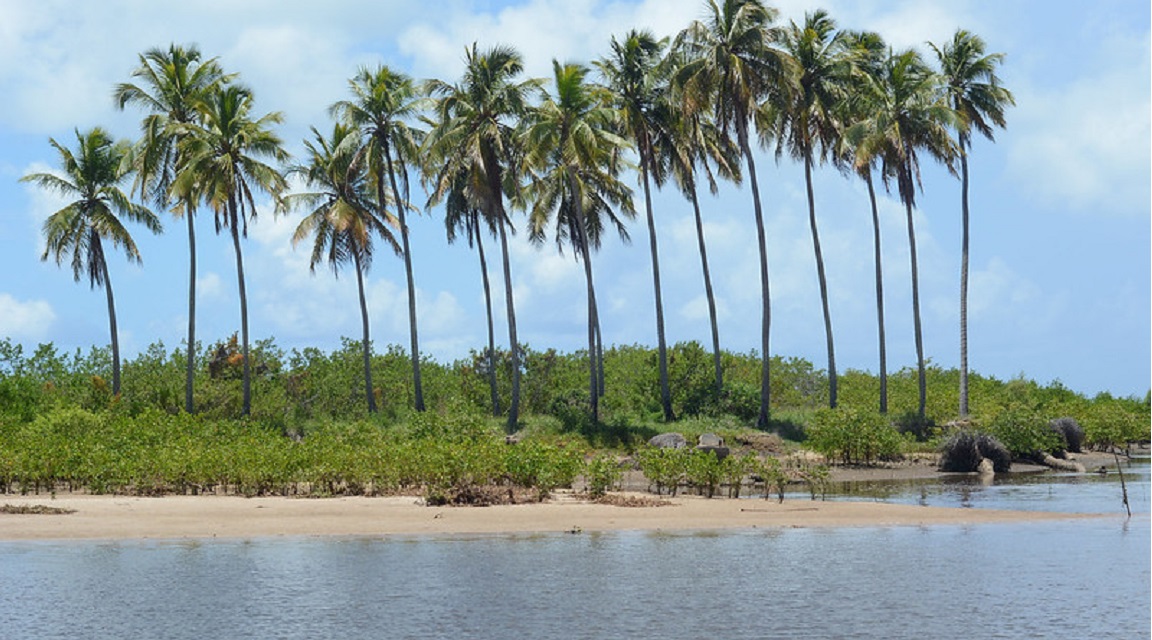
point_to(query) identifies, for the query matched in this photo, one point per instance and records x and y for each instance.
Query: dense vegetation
(60, 425)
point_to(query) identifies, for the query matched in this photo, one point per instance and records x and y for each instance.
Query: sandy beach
(177, 517)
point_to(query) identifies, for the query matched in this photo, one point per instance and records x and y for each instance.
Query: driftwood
(1063, 465)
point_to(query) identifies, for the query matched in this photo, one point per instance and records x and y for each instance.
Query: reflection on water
(1071, 579)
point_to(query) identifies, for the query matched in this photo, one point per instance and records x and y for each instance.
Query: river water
(1066, 579)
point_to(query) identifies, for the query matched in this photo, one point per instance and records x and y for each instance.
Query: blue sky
(1060, 202)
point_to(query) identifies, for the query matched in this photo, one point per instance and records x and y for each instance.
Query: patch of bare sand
(176, 517)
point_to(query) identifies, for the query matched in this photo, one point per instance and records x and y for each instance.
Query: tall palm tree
(908, 117)
(92, 176)
(731, 65)
(170, 85)
(224, 166)
(475, 125)
(633, 72)
(463, 215)
(975, 93)
(343, 218)
(571, 149)
(868, 55)
(385, 101)
(805, 121)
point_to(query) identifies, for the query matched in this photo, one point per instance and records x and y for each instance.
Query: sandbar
(96, 517)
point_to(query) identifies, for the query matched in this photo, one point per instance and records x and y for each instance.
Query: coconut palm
(224, 166)
(690, 143)
(463, 215)
(868, 54)
(570, 149)
(475, 123)
(805, 122)
(343, 218)
(975, 93)
(170, 84)
(634, 74)
(907, 117)
(92, 176)
(384, 102)
(731, 65)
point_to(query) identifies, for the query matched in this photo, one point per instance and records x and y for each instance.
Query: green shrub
(666, 469)
(853, 436)
(603, 474)
(1024, 433)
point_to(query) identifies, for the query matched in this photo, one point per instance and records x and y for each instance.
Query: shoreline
(102, 517)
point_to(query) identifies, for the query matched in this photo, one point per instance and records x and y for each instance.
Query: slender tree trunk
(879, 295)
(401, 206)
(513, 345)
(111, 315)
(661, 344)
(585, 251)
(823, 279)
(766, 307)
(366, 340)
(246, 409)
(708, 293)
(190, 367)
(916, 313)
(964, 276)
(488, 310)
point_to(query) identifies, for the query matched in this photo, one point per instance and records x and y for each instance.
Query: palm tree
(475, 126)
(172, 83)
(633, 74)
(805, 121)
(868, 56)
(463, 215)
(342, 220)
(975, 93)
(384, 101)
(223, 166)
(730, 67)
(571, 148)
(92, 175)
(908, 117)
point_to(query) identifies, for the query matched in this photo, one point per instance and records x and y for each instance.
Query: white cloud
(25, 319)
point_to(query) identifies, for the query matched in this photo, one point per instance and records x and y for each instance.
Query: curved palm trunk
(488, 311)
(246, 409)
(190, 367)
(916, 313)
(766, 307)
(366, 341)
(665, 391)
(513, 345)
(879, 295)
(95, 239)
(401, 205)
(823, 280)
(964, 277)
(708, 292)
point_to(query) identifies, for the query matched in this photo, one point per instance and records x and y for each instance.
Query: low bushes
(853, 436)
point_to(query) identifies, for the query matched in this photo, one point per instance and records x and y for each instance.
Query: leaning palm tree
(384, 102)
(805, 122)
(975, 93)
(908, 117)
(171, 83)
(731, 65)
(92, 176)
(868, 54)
(224, 166)
(633, 72)
(343, 219)
(571, 150)
(475, 123)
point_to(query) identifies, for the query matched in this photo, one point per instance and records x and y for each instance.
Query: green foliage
(666, 469)
(853, 436)
(603, 474)
(1024, 432)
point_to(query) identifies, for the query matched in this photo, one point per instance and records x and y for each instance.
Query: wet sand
(181, 517)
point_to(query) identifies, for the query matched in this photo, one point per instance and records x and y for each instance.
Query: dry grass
(34, 509)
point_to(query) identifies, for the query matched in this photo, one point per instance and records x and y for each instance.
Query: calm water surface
(1070, 579)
